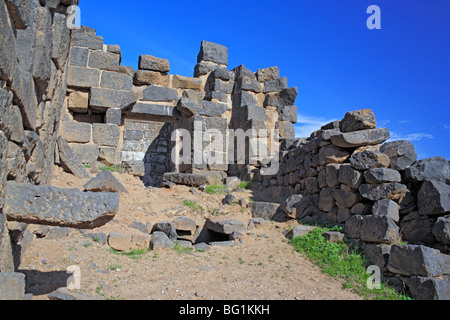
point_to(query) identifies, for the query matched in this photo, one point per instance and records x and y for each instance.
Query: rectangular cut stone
(361, 138)
(87, 40)
(192, 107)
(116, 81)
(145, 77)
(153, 109)
(151, 63)
(83, 77)
(104, 60)
(107, 98)
(76, 131)
(78, 102)
(59, 207)
(157, 93)
(114, 116)
(213, 52)
(78, 57)
(87, 153)
(186, 82)
(106, 134)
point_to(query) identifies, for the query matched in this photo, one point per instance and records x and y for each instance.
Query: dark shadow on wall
(40, 283)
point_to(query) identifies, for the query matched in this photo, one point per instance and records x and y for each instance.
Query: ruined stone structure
(65, 99)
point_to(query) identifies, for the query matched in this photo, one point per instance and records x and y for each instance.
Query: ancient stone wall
(390, 204)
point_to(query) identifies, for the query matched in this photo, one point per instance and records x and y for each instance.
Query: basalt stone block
(61, 40)
(416, 228)
(294, 204)
(104, 60)
(265, 210)
(361, 138)
(82, 77)
(434, 198)
(286, 129)
(331, 154)
(21, 12)
(145, 77)
(59, 207)
(299, 231)
(332, 175)
(109, 156)
(190, 107)
(436, 168)
(77, 132)
(213, 52)
(78, 102)
(226, 226)
(87, 153)
(8, 52)
(345, 198)
(185, 227)
(441, 230)
(222, 74)
(113, 116)
(186, 82)
(350, 176)
(283, 98)
(388, 208)
(288, 113)
(102, 99)
(401, 153)
(241, 71)
(220, 86)
(203, 68)
(369, 159)
(353, 226)
(104, 182)
(42, 54)
(358, 120)
(382, 175)
(86, 40)
(415, 260)
(128, 242)
(393, 191)
(186, 178)
(268, 74)
(248, 84)
(379, 229)
(157, 93)
(422, 288)
(167, 227)
(24, 96)
(151, 63)
(275, 85)
(106, 135)
(160, 240)
(326, 200)
(144, 108)
(116, 81)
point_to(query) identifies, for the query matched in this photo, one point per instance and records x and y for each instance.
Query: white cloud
(410, 137)
(383, 123)
(307, 125)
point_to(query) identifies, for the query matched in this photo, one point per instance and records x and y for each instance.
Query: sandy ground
(263, 267)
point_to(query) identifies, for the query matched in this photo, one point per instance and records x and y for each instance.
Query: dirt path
(263, 267)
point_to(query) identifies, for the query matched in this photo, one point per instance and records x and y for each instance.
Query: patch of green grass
(111, 168)
(114, 266)
(131, 254)
(241, 261)
(215, 188)
(87, 166)
(342, 261)
(193, 205)
(180, 249)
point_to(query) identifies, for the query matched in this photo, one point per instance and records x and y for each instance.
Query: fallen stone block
(256, 223)
(185, 228)
(333, 236)
(433, 198)
(299, 231)
(167, 227)
(401, 153)
(128, 242)
(415, 260)
(63, 294)
(265, 210)
(360, 138)
(46, 205)
(225, 227)
(160, 240)
(104, 182)
(87, 153)
(186, 178)
(69, 161)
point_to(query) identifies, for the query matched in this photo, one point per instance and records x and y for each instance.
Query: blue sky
(401, 72)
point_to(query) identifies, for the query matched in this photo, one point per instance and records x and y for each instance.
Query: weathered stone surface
(64, 294)
(12, 286)
(213, 52)
(186, 178)
(369, 159)
(393, 191)
(353, 226)
(78, 102)
(332, 175)
(358, 120)
(6, 254)
(417, 229)
(268, 74)
(151, 63)
(434, 198)
(134, 167)
(401, 153)
(102, 99)
(428, 288)
(82, 77)
(265, 210)
(87, 153)
(333, 236)
(105, 134)
(24, 90)
(160, 240)
(104, 60)
(109, 156)
(349, 176)
(128, 242)
(326, 200)
(8, 53)
(186, 82)
(286, 129)
(145, 77)
(77, 132)
(226, 226)
(299, 231)
(283, 98)
(87, 40)
(104, 182)
(388, 208)
(114, 116)
(145, 108)
(360, 138)
(331, 154)
(61, 40)
(441, 230)
(378, 254)
(345, 198)
(379, 229)
(43, 47)
(256, 223)
(248, 84)
(116, 81)
(288, 113)
(78, 57)
(291, 204)
(190, 107)
(436, 168)
(275, 85)
(157, 93)
(414, 260)
(382, 175)
(70, 161)
(167, 227)
(222, 74)
(219, 85)
(204, 67)
(185, 228)
(59, 207)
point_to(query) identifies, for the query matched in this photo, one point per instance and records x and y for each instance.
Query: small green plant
(244, 184)
(96, 239)
(114, 266)
(193, 205)
(343, 261)
(241, 261)
(111, 168)
(99, 289)
(177, 247)
(215, 188)
(87, 166)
